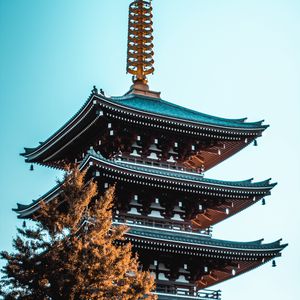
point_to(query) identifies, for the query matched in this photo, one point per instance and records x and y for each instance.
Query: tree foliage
(73, 251)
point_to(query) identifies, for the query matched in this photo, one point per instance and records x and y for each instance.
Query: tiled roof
(182, 175)
(193, 176)
(169, 173)
(203, 241)
(165, 108)
(154, 107)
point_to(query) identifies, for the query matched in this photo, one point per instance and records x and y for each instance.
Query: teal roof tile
(165, 108)
(186, 175)
(203, 241)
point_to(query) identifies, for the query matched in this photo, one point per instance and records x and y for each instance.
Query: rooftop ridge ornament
(140, 45)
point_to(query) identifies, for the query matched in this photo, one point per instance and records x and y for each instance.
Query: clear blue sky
(228, 58)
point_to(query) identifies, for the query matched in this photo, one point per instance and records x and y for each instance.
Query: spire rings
(140, 40)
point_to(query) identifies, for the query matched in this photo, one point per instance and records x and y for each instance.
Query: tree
(73, 251)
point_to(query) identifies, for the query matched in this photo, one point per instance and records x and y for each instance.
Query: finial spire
(140, 47)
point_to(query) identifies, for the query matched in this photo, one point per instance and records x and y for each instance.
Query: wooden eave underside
(218, 276)
(212, 216)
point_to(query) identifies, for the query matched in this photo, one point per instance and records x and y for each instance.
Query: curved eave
(26, 211)
(177, 177)
(235, 129)
(212, 187)
(239, 130)
(195, 116)
(33, 154)
(204, 250)
(197, 243)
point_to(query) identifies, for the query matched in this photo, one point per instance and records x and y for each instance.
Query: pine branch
(71, 252)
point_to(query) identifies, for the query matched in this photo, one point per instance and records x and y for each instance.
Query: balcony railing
(154, 163)
(186, 293)
(160, 224)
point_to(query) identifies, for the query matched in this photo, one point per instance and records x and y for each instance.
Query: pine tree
(74, 252)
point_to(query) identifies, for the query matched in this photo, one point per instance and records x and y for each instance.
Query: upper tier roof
(150, 112)
(164, 108)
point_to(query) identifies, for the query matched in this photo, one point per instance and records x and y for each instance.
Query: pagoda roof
(162, 107)
(204, 241)
(243, 256)
(183, 181)
(151, 112)
(185, 177)
(194, 177)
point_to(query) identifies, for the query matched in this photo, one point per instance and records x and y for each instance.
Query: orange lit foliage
(71, 252)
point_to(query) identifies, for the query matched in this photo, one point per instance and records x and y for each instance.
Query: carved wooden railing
(148, 162)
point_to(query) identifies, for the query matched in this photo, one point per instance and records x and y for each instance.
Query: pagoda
(157, 153)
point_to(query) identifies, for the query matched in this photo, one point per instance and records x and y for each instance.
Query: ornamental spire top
(140, 47)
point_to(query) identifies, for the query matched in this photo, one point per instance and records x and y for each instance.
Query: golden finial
(140, 47)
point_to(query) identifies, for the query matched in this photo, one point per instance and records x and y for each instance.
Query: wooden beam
(203, 282)
(206, 216)
(213, 276)
(197, 223)
(212, 151)
(197, 159)
(218, 211)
